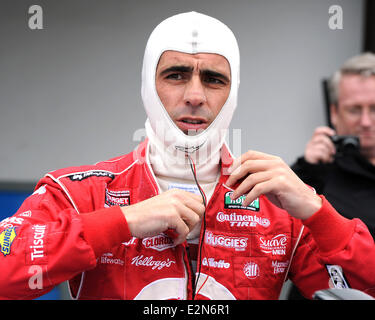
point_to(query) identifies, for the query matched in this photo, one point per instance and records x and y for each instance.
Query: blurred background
(70, 92)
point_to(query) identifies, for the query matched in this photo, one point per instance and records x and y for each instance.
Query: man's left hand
(255, 173)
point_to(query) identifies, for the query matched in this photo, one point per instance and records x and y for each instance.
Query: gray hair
(363, 64)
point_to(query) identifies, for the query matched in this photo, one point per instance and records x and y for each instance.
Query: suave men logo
(237, 204)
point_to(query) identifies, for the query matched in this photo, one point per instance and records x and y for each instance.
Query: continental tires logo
(237, 204)
(242, 220)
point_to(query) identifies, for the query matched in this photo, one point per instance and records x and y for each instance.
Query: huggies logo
(236, 243)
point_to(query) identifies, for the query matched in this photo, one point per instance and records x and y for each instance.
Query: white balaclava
(191, 33)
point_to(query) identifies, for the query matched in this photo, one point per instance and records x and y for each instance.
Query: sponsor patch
(218, 240)
(117, 198)
(10, 222)
(237, 204)
(151, 263)
(279, 266)
(242, 220)
(6, 239)
(217, 264)
(133, 241)
(337, 278)
(251, 270)
(107, 258)
(186, 187)
(276, 245)
(79, 176)
(159, 242)
(37, 245)
(26, 214)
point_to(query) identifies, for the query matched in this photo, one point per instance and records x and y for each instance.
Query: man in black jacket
(343, 171)
(334, 163)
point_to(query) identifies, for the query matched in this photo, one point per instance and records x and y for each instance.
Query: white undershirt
(179, 175)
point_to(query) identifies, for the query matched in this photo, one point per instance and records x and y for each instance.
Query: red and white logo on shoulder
(117, 198)
(251, 270)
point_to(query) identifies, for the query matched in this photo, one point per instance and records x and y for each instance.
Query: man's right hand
(320, 148)
(174, 209)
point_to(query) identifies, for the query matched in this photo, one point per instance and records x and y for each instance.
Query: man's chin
(192, 132)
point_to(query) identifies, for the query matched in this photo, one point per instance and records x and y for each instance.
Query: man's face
(192, 87)
(355, 113)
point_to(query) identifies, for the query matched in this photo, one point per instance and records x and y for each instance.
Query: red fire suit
(72, 228)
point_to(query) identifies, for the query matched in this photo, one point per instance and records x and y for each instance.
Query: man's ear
(333, 114)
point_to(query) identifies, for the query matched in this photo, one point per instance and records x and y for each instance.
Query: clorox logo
(6, 239)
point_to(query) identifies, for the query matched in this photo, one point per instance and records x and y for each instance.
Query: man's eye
(174, 76)
(355, 109)
(214, 80)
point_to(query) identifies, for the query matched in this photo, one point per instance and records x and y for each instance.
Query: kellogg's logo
(159, 242)
(150, 262)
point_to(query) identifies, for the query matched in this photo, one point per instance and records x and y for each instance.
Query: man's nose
(366, 119)
(195, 95)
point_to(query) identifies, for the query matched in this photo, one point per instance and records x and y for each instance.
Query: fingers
(248, 184)
(249, 155)
(320, 147)
(188, 210)
(258, 174)
(325, 130)
(189, 200)
(252, 163)
(181, 229)
(175, 210)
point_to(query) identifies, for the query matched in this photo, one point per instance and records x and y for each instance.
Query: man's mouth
(192, 121)
(190, 125)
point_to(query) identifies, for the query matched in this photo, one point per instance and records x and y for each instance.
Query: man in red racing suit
(65, 232)
(118, 229)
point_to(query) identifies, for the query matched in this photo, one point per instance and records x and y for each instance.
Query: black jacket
(348, 184)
